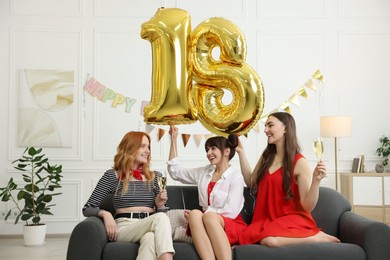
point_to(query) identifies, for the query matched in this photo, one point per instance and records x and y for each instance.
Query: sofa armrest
(373, 236)
(87, 240)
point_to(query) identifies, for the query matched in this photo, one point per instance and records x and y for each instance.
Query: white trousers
(153, 233)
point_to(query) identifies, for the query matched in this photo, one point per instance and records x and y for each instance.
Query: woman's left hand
(320, 171)
(161, 198)
(173, 131)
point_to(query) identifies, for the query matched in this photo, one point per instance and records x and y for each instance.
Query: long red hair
(125, 155)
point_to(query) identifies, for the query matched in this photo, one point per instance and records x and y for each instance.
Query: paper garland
(185, 138)
(96, 89)
(160, 133)
(294, 99)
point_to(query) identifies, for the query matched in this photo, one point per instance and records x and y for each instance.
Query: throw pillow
(181, 235)
(178, 225)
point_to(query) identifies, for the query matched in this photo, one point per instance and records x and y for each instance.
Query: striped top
(139, 193)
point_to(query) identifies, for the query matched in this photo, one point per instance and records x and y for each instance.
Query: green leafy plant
(41, 179)
(384, 149)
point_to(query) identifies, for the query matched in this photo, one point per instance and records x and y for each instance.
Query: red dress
(274, 216)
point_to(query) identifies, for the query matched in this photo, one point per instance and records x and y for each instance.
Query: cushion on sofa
(179, 225)
(120, 251)
(126, 251)
(183, 197)
(317, 251)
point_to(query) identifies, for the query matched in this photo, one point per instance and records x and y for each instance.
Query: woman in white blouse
(217, 227)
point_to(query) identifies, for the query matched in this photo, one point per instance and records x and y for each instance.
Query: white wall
(348, 40)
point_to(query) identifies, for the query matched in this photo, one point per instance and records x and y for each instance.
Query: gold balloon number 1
(188, 84)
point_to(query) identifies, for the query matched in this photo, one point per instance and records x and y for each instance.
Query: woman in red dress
(286, 190)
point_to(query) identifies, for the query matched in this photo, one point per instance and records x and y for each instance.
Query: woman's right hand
(109, 224)
(173, 131)
(186, 213)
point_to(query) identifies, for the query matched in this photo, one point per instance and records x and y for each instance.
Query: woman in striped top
(136, 198)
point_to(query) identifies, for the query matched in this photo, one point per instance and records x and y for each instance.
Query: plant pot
(34, 235)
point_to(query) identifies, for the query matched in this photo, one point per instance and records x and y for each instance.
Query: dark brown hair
(291, 148)
(222, 143)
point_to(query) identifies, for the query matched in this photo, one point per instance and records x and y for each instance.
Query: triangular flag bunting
(160, 133)
(198, 139)
(264, 118)
(185, 138)
(318, 76)
(285, 107)
(310, 84)
(294, 100)
(302, 92)
(149, 128)
(256, 128)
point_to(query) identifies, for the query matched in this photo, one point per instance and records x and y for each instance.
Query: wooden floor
(12, 248)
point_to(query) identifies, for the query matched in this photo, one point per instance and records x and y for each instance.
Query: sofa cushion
(179, 225)
(120, 251)
(126, 251)
(183, 197)
(180, 235)
(318, 251)
(249, 206)
(184, 251)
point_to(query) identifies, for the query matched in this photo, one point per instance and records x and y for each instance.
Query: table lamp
(335, 126)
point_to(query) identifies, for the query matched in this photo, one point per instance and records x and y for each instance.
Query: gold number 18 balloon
(188, 84)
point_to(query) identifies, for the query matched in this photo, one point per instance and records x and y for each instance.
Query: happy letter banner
(102, 93)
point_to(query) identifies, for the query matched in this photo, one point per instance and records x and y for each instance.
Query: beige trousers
(153, 233)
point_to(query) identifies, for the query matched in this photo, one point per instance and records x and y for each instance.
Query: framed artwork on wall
(46, 107)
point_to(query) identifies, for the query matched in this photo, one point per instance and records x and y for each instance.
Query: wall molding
(13, 151)
(55, 10)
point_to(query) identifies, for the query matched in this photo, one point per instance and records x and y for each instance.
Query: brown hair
(291, 148)
(222, 143)
(125, 155)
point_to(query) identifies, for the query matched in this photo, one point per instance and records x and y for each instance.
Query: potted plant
(384, 151)
(33, 198)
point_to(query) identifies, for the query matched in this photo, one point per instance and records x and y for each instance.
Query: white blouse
(227, 197)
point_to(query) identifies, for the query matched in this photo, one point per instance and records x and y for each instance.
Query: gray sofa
(361, 238)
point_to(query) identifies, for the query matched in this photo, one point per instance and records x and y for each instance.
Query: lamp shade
(336, 126)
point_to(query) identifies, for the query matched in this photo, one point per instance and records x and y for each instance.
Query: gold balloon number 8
(189, 84)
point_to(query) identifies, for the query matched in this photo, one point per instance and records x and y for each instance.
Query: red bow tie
(137, 173)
